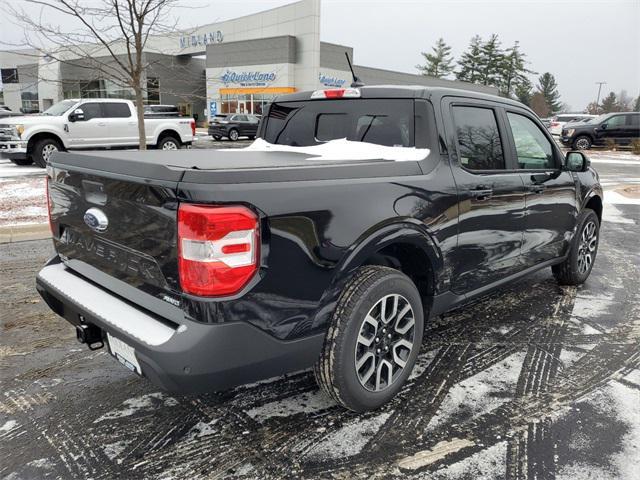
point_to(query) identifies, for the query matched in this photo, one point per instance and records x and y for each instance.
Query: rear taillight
(217, 248)
(193, 128)
(555, 124)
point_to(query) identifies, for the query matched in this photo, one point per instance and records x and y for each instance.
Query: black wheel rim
(384, 343)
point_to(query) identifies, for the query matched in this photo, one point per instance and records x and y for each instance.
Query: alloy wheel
(384, 343)
(587, 247)
(170, 145)
(582, 144)
(48, 150)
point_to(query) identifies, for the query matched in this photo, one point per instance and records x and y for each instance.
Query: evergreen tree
(439, 63)
(539, 105)
(523, 91)
(548, 87)
(513, 72)
(610, 103)
(469, 63)
(491, 62)
(636, 106)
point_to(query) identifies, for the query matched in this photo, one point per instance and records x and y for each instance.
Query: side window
(91, 110)
(633, 120)
(240, 118)
(478, 138)
(534, 150)
(617, 121)
(116, 110)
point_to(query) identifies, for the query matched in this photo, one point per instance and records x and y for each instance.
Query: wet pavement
(534, 381)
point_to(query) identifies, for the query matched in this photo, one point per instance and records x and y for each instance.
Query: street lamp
(599, 89)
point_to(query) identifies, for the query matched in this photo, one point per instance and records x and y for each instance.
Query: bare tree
(107, 37)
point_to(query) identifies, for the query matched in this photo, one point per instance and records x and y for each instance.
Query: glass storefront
(245, 103)
(104, 88)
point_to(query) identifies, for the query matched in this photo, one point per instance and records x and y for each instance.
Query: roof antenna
(356, 81)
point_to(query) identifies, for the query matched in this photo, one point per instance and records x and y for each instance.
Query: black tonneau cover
(228, 166)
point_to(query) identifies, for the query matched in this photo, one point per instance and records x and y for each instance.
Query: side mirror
(77, 115)
(577, 162)
(603, 126)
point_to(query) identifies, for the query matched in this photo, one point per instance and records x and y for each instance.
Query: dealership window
(153, 91)
(9, 75)
(251, 103)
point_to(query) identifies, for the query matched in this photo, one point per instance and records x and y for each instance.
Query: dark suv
(621, 127)
(358, 216)
(234, 126)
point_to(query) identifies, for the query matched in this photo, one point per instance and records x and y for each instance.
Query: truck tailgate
(137, 245)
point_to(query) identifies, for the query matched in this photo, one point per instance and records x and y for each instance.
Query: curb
(23, 233)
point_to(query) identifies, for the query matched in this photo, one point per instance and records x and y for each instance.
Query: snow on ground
(10, 170)
(22, 201)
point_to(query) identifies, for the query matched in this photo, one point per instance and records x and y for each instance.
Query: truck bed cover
(228, 166)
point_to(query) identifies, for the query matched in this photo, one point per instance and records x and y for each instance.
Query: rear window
(388, 122)
(116, 110)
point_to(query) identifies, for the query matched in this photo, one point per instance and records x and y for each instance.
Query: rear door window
(116, 110)
(388, 122)
(478, 137)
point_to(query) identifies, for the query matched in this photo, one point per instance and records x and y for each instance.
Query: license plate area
(124, 353)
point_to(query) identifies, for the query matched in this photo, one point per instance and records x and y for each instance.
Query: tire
(353, 337)
(582, 142)
(43, 149)
(582, 254)
(169, 143)
(217, 138)
(22, 161)
(252, 137)
(234, 135)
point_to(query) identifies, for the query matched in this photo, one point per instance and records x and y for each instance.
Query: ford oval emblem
(96, 220)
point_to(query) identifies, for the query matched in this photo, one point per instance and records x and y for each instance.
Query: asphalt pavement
(534, 381)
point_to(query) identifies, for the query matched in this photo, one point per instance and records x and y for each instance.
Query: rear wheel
(584, 247)
(233, 135)
(582, 143)
(43, 149)
(169, 143)
(373, 340)
(217, 137)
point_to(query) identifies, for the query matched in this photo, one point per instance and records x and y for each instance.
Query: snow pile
(343, 149)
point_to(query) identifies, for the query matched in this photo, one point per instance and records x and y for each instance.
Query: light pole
(599, 88)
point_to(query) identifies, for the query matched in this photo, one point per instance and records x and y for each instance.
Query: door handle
(537, 188)
(481, 193)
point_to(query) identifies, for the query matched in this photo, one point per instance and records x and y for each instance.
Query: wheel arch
(594, 201)
(168, 132)
(405, 245)
(40, 136)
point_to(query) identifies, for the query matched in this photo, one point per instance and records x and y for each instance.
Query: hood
(28, 119)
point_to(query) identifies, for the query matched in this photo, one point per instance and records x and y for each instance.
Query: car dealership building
(234, 66)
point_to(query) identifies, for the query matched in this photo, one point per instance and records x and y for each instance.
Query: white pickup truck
(87, 124)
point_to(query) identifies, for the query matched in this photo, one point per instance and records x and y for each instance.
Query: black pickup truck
(356, 216)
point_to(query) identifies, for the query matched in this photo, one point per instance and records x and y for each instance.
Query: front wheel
(578, 265)
(43, 149)
(373, 340)
(582, 143)
(168, 143)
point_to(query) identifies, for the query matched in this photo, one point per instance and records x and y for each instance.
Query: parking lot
(535, 381)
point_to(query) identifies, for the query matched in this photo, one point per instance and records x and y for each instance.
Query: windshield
(388, 122)
(59, 108)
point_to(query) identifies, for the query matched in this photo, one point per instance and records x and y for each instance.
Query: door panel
(121, 124)
(490, 198)
(550, 200)
(90, 131)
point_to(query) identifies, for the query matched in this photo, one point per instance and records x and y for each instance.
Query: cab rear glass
(388, 122)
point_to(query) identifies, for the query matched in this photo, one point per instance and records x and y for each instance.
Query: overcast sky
(579, 41)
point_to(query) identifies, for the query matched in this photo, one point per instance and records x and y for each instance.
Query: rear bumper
(189, 357)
